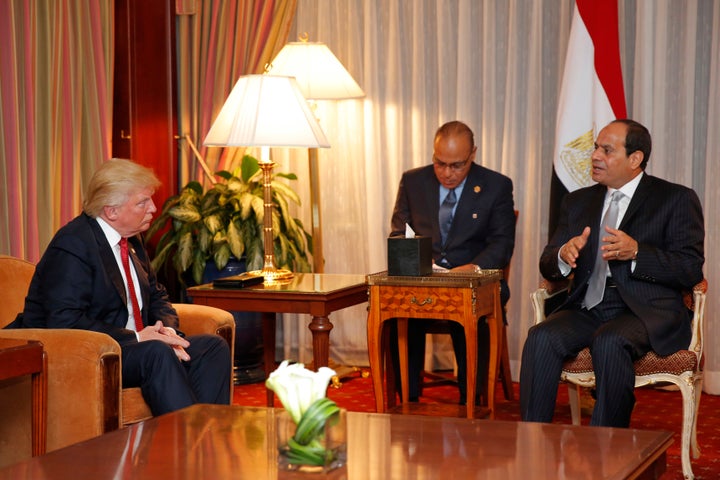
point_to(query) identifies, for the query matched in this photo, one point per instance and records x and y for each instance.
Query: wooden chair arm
(547, 290)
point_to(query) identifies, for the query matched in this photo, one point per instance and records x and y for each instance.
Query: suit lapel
(107, 257)
(143, 280)
(641, 193)
(432, 200)
(595, 209)
(473, 188)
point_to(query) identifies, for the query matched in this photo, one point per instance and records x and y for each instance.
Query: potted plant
(219, 232)
(226, 221)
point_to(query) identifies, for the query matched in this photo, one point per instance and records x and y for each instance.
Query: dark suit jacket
(483, 228)
(666, 220)
(78, 284)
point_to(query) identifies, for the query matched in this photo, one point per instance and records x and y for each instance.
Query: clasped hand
(166, 335)
(618, 245)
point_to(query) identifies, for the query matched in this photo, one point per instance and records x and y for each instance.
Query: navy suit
(78, 284)
(644, 304)
(482, 233)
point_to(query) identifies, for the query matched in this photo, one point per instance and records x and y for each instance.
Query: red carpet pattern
(654, 410)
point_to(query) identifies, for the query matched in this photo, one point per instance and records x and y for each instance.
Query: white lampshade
(319, 73)
(266, 111)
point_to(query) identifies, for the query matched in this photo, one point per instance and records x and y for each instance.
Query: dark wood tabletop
(223, 442)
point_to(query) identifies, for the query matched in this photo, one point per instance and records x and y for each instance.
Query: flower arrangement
(302, 393)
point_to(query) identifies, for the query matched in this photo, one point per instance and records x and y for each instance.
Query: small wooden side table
(27, 357)
(318, 294)
(461, 297)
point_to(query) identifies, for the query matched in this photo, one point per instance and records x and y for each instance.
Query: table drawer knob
(421, 303)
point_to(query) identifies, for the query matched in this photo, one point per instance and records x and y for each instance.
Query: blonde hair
(112, 184)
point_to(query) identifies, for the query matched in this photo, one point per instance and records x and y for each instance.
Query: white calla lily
(322, 380)
(297, 387)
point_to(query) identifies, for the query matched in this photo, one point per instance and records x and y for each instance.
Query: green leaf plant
(226, 221)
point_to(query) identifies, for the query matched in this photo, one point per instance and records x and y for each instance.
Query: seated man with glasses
(468, 212)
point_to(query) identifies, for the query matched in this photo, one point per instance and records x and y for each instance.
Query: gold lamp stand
(270, 272)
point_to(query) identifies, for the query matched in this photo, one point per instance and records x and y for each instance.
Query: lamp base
(273, 276)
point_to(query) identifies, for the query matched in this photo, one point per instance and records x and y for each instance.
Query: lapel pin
(476, 189)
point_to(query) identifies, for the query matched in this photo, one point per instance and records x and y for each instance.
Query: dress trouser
(169, 384)
(616, 338)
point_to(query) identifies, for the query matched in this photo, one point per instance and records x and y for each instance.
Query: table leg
(376, 338)
(390, 374)
(471, 355)
(39, 409)
(495, 339)
(268, 322)
(320, 328)
(402, 329)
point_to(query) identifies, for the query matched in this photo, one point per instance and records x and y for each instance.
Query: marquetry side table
(27, 357)
(461, 297)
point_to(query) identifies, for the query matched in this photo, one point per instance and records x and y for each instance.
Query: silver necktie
(596, 285)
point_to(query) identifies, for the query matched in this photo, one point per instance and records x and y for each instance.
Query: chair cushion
(134, 409)
(652, 363)
(677, 363)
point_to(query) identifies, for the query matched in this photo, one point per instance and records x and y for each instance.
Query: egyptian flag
(591, 96)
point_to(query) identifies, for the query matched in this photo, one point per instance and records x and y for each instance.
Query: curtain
(496, 66)
(55, 114)
(209, 65)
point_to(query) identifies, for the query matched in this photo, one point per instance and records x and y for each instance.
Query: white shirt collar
(112, 235)
(629, 188)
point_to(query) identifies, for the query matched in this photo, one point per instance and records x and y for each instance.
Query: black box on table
(409, 256)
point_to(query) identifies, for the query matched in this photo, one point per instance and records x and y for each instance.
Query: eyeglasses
(455, 167)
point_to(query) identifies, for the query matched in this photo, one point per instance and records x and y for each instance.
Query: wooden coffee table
(219, 442)
(23, 357)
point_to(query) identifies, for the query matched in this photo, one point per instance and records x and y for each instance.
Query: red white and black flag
(591, 95)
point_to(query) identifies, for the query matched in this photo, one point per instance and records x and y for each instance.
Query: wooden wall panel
(144, 120)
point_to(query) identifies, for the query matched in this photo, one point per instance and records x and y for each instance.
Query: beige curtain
(55, 114)
(209, 64)
(497, 66)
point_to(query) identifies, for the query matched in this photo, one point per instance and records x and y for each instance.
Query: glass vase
(326, 451)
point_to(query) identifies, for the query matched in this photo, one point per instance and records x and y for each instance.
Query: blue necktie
(446, 214)
(596, 285)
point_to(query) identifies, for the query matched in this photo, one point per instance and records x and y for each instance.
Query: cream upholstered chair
(84, 398)
(683, 368)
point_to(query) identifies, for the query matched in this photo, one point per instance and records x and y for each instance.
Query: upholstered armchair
(84, 395)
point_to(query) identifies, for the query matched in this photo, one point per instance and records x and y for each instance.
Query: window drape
(55, 114)
(497, 66)
(218, 43)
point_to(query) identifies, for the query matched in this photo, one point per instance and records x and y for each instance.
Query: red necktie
(131, 286)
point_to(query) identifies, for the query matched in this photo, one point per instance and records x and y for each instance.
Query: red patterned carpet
(654, 410)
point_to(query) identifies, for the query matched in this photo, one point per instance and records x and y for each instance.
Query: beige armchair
(683, 368)
(84, 397)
